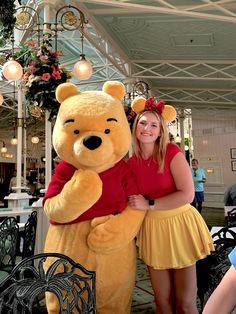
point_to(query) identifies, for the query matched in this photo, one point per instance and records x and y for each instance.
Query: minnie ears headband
(167, 112)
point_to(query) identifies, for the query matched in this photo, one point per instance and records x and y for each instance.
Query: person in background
(223, 299)
(199, 179)
(230, 195)
(173, 235)
(13, 181)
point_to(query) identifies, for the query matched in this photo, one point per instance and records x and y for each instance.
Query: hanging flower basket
(42, 75)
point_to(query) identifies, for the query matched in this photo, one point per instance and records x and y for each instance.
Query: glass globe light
(12, 70)
(14, 141)
(82, 69)
(35, 140)
(1, 99)
(186, 148)
(3, 149)
(178, 139)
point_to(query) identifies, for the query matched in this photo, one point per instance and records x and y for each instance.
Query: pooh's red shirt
(118, 183)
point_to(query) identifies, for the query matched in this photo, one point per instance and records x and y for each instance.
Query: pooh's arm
(111, 233)
(77, 196)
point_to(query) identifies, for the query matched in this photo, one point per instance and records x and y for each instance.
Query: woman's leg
(162, 284)
(185, 285)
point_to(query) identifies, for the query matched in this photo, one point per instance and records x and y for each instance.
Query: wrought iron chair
(231, 218)
(73, 285)
(211, 269)
(27, 237)
(9, 231)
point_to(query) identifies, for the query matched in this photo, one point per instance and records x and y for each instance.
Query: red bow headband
(167, 112)
(158, 106)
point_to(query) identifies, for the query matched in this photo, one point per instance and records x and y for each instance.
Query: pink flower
(34, 63)
(44, 58)
(31, 43)
(33, 70)
(46, 77)
(39, 52)
(56, 75)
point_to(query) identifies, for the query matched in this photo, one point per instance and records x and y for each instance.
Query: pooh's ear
(65, 90)
(115, 89)
(138, 104)
(169, 113)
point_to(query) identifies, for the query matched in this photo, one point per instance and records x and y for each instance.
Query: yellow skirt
(174, 238)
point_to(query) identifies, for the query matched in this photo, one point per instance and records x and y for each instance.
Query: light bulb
(3, 149)
(178, 139)
(82, 69)
(12, 70)
(14, 141)
(186, 148)
(1, 99)
(35, 139)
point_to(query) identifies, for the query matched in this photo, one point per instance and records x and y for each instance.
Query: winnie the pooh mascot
(86, 198)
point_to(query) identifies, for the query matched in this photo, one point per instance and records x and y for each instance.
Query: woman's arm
(181, 173)
(223, 299)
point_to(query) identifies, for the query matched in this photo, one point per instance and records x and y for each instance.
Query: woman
(173, 235)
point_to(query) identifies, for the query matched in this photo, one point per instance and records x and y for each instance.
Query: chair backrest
(9, 231)
(73, 285)
(231, 218)
(211, 270)
(29, 235)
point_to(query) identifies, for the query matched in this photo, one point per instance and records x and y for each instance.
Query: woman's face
(148, 128)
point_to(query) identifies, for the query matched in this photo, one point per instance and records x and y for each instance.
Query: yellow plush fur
(104, 244)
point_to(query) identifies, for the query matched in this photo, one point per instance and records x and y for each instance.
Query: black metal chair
(72, 284)
(211, 269)
(27, 237)
(9, 231)
(231, 218)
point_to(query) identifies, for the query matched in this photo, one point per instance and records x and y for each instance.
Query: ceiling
(185, 50)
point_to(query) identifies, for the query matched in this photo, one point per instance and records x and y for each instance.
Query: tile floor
(143, 300)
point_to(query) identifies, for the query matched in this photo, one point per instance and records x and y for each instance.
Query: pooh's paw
(100, 220)
(85, 184)
(100, 240)
(106, 237)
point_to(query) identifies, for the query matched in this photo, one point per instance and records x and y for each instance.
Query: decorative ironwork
(211, 269)
(9, 231)
(71, 283)
(28, 236)
(26, 19)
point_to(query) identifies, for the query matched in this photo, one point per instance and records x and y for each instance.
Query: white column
(19, 199)
(19, 137)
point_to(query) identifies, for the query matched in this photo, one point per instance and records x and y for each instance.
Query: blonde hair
(160, 144)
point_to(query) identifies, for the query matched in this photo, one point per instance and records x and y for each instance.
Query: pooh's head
(91, 129)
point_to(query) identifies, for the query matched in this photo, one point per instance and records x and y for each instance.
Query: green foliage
(7, 20)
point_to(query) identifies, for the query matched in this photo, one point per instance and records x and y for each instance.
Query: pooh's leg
(115, 272)
(52, 303)
(116, 280)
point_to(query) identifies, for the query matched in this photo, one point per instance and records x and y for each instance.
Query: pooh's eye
(76, 131)
(107, 131)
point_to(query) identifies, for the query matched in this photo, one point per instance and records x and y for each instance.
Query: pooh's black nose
(92, 142)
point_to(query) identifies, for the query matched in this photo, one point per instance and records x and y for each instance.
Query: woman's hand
(138, 202)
